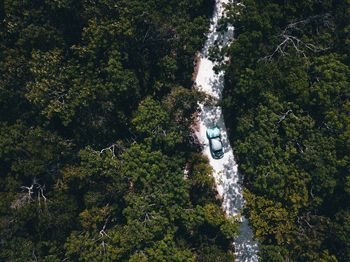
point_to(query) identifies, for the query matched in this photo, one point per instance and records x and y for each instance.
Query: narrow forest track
(225, 170)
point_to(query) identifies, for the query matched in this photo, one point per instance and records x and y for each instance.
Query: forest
(287, 105)
(97, 160)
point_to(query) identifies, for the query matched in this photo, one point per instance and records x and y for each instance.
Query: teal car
(215, 143)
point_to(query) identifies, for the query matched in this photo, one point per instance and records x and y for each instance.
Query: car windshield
(213, 132)
(216, 144)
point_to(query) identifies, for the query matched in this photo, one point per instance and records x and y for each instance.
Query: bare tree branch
(114, 148)
(34, 256)
(34, 189)
(104, 234)
(284, 115)
(29, 193)
(289, 39)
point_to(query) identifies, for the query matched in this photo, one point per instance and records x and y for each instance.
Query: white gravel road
(228, 180)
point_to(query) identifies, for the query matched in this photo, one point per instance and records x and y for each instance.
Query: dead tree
(113, 149)
(289, 37)
(40, 193)
(29, 194)
(103, 235)
(284, 115)
(34, 256)
(30, 191)
(110, 149)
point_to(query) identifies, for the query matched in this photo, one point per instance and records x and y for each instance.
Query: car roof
(216, 144)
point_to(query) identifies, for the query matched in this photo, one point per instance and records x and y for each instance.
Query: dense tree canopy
(97, 159)
(287, 95)
(97, 162)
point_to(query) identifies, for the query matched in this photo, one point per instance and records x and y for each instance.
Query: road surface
(228, 180)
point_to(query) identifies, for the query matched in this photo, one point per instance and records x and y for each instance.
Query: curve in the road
(225, 170)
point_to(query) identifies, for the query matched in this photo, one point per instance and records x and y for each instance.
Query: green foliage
(269, 218)
(95, 117)
(150, 117)
(339, 237)
(182, 104)
(286, 102)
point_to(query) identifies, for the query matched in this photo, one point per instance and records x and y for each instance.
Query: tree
(286, 103)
